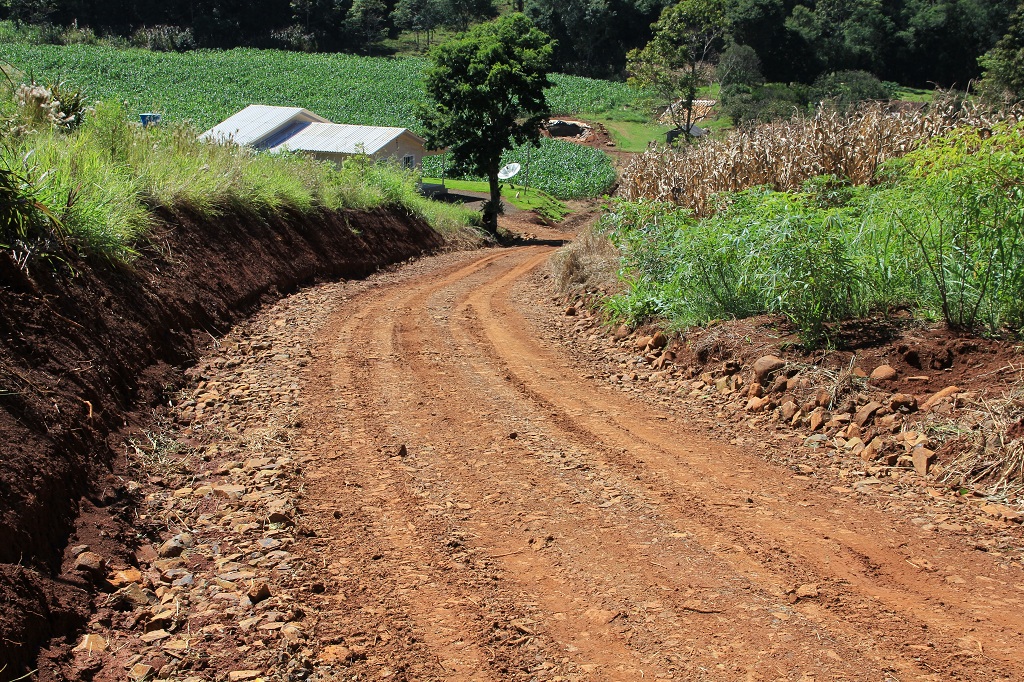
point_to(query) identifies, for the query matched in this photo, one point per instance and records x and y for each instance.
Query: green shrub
(809, 275)
(843, 90)
(961, 203)
(765, 102)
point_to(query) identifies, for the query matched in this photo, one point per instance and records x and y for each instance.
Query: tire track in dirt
(879, 566)
(656, 561)
(454, 617)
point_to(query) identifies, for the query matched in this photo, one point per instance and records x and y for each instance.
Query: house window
(408, 161)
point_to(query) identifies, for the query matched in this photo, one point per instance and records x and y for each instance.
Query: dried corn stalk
(784, 154)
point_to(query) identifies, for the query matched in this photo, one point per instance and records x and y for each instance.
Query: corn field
(783, 155)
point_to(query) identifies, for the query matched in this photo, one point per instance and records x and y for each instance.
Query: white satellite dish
(508, 171)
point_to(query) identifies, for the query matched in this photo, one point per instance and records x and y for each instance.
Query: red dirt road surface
(483, 513)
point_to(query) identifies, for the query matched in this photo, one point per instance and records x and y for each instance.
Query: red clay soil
(927, 357)
(87, 346)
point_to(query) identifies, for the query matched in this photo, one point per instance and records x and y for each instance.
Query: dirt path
(414, 477)
(483, 513)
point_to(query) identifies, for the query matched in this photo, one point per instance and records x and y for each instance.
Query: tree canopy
(485, 90)
(913, 42)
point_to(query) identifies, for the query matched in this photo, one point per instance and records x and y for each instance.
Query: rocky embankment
(215, 591)
(87, 350)
(854, 428)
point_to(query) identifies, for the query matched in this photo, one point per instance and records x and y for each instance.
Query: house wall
(401, 147)
(397, 149)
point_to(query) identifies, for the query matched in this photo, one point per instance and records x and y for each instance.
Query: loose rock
(883, 373)
(766, 366)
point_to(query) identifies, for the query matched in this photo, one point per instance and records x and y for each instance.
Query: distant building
(279, 129)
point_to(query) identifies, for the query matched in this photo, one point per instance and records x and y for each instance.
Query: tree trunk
(493, 207)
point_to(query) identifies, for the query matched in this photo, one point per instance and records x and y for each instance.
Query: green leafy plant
(23, 217)
(563, 169)
(967, 222)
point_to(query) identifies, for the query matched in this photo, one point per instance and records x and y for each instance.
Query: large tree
(1004, 64)
(485, 90)
(419, 16)
(679, 58)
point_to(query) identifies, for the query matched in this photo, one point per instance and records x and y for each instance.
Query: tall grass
(785, 154)
(940, 231)
(103, 180)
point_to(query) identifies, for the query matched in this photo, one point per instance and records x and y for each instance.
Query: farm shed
(279, 129)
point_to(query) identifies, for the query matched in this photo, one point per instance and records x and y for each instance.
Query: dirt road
(484, 512)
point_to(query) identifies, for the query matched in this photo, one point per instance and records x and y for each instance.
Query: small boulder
(903, 402)
(766, 366)
(243, 675)
(883, 373)
(230, 492)
(139, 672)
(92, 644)
(171, 548)
(938, 397)
(808, 591)
(923, 459)
(1001, 511)
(780, 384)
(90, 562)
(121, 578)
(867, 413)
(817, 418)
(659, 340)
(789, 410)
(758, 404)
(259, 592)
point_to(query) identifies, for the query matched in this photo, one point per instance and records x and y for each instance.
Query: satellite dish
(508, 171)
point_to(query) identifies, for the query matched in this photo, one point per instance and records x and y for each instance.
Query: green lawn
(633, 136)
(520, 196)
(915, 95)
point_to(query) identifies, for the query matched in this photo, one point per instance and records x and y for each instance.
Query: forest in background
(914, 42)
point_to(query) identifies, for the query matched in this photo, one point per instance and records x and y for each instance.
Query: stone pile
(215, 590)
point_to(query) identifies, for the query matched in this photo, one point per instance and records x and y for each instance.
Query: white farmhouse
(278, 129)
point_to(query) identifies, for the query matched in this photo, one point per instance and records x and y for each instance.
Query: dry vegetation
(589, 264)
(784, 154)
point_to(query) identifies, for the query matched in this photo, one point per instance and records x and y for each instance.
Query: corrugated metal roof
(257, 121)
(338, 138)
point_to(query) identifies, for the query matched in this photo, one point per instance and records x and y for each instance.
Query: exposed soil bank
(85, 344)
